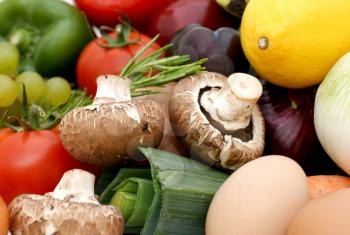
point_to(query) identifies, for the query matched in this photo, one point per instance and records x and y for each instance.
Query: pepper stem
(233, 104)
(76, 185)
(21, 38)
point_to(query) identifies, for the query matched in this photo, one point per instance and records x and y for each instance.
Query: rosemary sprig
(155, 71)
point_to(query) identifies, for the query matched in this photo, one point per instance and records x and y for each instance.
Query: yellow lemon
(294, 43)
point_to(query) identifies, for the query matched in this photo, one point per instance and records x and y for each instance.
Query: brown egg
(260, 198)
(326, 215)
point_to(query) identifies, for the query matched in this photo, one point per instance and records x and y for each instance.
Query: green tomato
(9, 58)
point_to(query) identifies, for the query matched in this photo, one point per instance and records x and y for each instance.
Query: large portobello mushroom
(217, 118)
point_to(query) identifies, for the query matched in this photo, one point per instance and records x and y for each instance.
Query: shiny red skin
(96, 60)
(108, 12)
(4, 217)
(33, 162)
(183, 12)
(290, 130)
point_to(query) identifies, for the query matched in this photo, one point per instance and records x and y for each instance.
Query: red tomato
(4, 133)
(95, 60)
(4, 218)
(108, 12)
(33, 162)
(183, 12)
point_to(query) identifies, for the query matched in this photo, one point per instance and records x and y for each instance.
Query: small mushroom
(71, 209)
(217, 118)
(109, 131)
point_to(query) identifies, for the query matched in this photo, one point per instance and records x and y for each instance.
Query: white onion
(332, 113)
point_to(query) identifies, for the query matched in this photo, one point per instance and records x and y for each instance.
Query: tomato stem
(122, 35)
(38, 117)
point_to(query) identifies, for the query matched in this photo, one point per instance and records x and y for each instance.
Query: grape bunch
(51, 92)
(222, 48)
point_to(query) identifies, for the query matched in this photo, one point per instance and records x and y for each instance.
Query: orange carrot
(321, 184)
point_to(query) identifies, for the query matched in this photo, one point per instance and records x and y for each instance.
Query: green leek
(183, 190)
(133, 197)
(132, 192)
(122, 175)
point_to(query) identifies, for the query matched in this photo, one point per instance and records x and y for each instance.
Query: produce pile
(174, 117)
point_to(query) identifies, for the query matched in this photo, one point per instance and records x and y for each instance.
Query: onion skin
(332, 113)
(290, 129)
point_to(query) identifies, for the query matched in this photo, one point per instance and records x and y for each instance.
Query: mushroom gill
(217, 118)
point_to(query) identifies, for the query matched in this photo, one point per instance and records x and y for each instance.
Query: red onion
(290, 129)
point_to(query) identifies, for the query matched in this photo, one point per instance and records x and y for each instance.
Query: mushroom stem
(111, 88)
(76, 185)
(233, 104)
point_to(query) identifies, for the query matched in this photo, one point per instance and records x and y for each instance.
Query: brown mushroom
(217, 118)
(71, 209)
(109, 131)
(169, 141)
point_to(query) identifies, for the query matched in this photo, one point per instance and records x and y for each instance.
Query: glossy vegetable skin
(96, 60)
(108, 12)
(32, 162)
(183, 12)
(5, 133)
(332, 113)
(4, 217)
(222, 47)
(290, 129)
(49, 34)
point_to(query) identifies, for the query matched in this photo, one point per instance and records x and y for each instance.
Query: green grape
(9, 58)
(57, 91)
(8, 91)
(34, 84)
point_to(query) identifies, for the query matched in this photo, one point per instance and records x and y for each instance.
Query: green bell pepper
(49, 34)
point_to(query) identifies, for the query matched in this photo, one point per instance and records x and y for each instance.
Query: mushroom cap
(45, 215)
(169, 141)
(201, 138)
(109, 133)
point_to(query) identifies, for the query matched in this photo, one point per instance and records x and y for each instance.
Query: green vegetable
(48, 33)
(332, 113)
(122, 175)
(132, 192)
(183, 191)
(133, 197)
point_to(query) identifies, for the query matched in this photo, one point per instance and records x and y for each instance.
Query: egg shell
(326, 215)
(260, 198)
